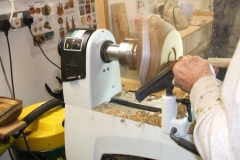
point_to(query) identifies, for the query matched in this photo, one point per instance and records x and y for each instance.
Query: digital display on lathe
(74, 44)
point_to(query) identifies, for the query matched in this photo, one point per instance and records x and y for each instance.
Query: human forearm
(206, 95)
(210, 133)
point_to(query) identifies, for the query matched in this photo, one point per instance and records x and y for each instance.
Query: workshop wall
(30, 71)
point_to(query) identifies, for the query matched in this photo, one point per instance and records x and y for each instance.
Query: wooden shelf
(191, 29)
(13, 127)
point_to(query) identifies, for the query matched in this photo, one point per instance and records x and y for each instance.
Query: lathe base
(90, 134)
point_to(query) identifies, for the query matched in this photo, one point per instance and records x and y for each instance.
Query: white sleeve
(210, 134)
(217, 112)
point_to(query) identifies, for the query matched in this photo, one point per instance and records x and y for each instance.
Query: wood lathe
(91, 78)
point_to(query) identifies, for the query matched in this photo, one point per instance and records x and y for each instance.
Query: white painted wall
(30, 71)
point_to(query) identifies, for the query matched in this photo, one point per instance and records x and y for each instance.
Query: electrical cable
(5, 76)
(10, 59)
(10, 153)
(42, 50)
(26, 143)
(28, 20)
(5, 26)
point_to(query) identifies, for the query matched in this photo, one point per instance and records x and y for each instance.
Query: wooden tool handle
(4, 139)
(219, 62)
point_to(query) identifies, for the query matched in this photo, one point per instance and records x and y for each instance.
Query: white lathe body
(90, 134)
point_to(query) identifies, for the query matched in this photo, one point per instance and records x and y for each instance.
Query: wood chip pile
(140, 115)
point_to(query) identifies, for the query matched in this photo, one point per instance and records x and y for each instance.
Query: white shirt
(217, 111)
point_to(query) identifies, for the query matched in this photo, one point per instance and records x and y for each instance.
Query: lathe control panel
(72, 49)
(73, 44)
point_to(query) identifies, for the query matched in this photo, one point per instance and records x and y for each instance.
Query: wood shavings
(182, 110)
(187, 96)
(152, 118)
(191, 128)
(139, 116)
(152, 97)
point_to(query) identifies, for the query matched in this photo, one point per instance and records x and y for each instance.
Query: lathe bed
(141, 113)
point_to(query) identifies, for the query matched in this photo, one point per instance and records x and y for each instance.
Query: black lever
(159, 82)
(183, 142)
(58, 94)
(187, 103)
(163, 80)
(59, 80)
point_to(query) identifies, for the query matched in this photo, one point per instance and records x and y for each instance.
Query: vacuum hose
(41, 110)
(35, 114)
(183, 142)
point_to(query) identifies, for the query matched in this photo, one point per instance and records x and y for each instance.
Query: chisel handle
(219, 62)
(215, 62)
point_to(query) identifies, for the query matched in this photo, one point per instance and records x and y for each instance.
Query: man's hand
(189, 69)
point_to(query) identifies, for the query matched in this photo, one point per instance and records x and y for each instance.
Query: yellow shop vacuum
(44, 134)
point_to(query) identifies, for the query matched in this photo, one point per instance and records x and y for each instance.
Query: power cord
(10, 59)
(26, 143)
(5, 76)
(5, 26)
(28, 20)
